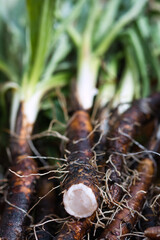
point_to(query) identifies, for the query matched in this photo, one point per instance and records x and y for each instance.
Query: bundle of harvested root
(87, 192)
(82, 174)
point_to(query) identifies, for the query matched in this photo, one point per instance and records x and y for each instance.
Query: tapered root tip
(80, 201)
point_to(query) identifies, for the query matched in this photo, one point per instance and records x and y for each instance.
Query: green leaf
(140, 57)
(6, 69)
(106, 19)
(66, 21)
(41, 16)
(61, 50)
(57, 80)
(34, 9)
(152, 58)
(74, 35)
(110, 36)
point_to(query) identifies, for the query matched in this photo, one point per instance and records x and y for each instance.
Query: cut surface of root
(80, 201)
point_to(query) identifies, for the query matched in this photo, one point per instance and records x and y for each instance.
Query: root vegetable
(120, 139)
(153, 232)
(126, 218)
(81, 193)
(21, 189)
(76, 229)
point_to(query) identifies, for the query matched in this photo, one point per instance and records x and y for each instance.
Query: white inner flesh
(79, 201)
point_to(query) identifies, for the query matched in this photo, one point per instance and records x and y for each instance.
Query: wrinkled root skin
(80, 170)
(153, 232)
(21, 189)
(20, 195)
(126, 218)
(141, 112)
(76, 229)
(80, 167)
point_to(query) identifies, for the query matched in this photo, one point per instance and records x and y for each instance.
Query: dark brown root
(126, 218)
(153, 232)
(20, 192)
(81, 181)
(76, 229)
(122, 133)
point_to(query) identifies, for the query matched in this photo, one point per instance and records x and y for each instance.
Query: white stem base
(80, 201)
(86, 82)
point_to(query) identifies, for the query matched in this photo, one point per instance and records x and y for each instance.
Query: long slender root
(81, 194)
(126, 218)
(76, 229)
(120, 138)
(20, 192)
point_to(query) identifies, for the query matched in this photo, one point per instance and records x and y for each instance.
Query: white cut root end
(80, 201)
